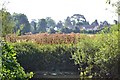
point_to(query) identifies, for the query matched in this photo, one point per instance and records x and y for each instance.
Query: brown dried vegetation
(45, 38)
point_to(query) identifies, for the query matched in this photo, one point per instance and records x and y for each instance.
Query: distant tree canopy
(33, 26)
(59, 25)
(21, 19)
(42, 25)
(18, 23)
(70, 24)
(50, 22)
(68, 21)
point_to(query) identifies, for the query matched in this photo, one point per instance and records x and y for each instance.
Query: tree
(68, 22)
(21, 19)
(79, 17)
(79, 20)
(51, 30)
(116, 5)
(33, 26)
(65, 30)
(42, 25)
(50, 22)
(7, 22)
(59, 25)
(76, 30)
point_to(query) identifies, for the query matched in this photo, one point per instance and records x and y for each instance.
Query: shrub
(11, 69)
(99, 57)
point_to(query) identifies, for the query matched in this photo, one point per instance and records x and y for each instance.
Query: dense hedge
(11, 69)
(35, 57)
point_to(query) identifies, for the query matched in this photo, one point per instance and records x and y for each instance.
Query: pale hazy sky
(60, 9)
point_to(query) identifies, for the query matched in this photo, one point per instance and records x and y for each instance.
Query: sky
(60, 9)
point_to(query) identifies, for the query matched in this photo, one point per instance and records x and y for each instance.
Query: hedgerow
(45, 57)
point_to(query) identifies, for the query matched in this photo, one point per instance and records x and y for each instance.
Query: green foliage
(21, 19)
(42, 24)
(33, 26)
(19, 31)
(0, 59)
(51, 30)
(11, 69)
(45, 57)
(99, 57)
(65, 30)
(84, 56)
(50, 22)
(7, 22)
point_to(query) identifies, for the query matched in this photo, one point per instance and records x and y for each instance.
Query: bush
(84, 57)
(99, 57)
(11, 69)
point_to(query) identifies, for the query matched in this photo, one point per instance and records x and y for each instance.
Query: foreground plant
(11, 69)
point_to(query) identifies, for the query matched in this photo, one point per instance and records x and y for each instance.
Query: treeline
(19, 24)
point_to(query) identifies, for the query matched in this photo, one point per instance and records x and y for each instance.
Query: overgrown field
(45, 38)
